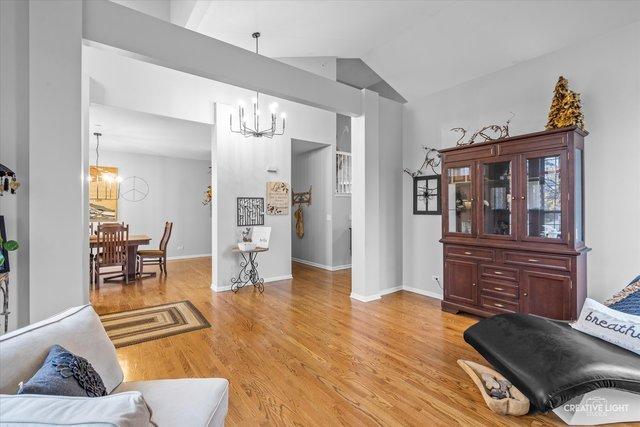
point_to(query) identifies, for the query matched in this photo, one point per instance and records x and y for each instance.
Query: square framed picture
(426, 195)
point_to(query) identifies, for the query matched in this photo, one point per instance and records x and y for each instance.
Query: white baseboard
(278, 278)
(390, 290)
(364, 298)
(266, 280)
(322, 266)
(172, 258)
(430, 294)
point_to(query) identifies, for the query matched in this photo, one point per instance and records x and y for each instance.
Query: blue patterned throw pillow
(628, 299)
(65, 374)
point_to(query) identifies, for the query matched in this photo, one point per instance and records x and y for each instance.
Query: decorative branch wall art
(487, 133)
(277, 198)
(431, 160)
(250, 211)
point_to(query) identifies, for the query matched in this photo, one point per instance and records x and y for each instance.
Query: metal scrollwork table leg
(248, 273)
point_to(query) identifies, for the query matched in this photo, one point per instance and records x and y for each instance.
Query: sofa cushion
(65, 374)
(122, 410)
(187, 402)
(549, 361)
(79, 330)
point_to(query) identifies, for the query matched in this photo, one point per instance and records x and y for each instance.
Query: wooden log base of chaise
(518, 405)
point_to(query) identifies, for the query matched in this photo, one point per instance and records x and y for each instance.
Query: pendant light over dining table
(248, 131)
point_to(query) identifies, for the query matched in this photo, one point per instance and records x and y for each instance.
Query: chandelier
(104, 182)
(255, 131)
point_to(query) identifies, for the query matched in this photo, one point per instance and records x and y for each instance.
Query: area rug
(151, 323)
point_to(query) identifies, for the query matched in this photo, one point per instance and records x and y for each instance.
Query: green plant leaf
(11, 245)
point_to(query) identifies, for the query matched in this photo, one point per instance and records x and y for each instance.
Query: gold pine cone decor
(566, 109)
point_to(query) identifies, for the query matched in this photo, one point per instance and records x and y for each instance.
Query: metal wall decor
(426, 195)
(250, 211)
(134, 189)
(431, 160)
(487, 133)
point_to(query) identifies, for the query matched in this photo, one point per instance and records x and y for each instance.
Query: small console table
(248, 270)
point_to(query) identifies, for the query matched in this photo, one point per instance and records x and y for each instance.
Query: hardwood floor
(304, 353)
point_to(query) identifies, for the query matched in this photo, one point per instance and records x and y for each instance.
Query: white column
(58, 275)
(365, 201)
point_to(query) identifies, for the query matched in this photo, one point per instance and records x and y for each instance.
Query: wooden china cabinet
(513, 225)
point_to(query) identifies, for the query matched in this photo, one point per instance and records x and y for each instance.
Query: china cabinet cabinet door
(461, 281)
(459, 199)
(546, 294)
(497, 216)
(543, 197)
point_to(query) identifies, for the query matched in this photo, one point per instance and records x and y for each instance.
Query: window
(343, 173)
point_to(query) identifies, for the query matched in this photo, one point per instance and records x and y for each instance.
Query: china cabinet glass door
(543, 206)
(460, 199)
(497, 194)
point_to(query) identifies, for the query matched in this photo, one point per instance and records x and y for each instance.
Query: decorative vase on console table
(513, 225)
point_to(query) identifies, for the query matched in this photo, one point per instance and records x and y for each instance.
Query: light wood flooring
(304, 353)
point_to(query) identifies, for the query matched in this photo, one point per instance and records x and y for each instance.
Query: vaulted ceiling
(418, 47)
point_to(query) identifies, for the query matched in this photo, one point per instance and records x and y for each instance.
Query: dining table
(134, 241)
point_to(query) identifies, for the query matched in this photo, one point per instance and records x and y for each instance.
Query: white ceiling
(418, 47)
(144, 133)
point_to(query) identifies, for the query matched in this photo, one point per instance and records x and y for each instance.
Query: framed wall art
(277, 198)
(250, 211)
(426, 195)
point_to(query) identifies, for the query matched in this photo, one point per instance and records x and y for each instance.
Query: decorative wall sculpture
(277, 198)
(431, 160)
(250, 211)
(487, 133)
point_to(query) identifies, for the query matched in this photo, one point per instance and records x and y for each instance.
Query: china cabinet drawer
(467, 252)
(499, 289)
(499, 305)
(504, 273)
(554, 262)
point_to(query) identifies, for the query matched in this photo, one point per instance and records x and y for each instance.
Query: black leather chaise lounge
(549, 361)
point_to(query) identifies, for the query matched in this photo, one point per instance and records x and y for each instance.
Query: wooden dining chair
(92, 251)
(156, 256)
(112, 241)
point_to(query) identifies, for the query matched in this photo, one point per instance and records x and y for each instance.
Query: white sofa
(182, 402)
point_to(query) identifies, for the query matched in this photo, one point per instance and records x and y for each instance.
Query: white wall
(606, 71)
(58, 257)
(313, 168)
(176, 188)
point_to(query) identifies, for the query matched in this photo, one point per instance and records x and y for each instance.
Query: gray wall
(391, 203)
(313, 168)
(14, 146)
(176, 187)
